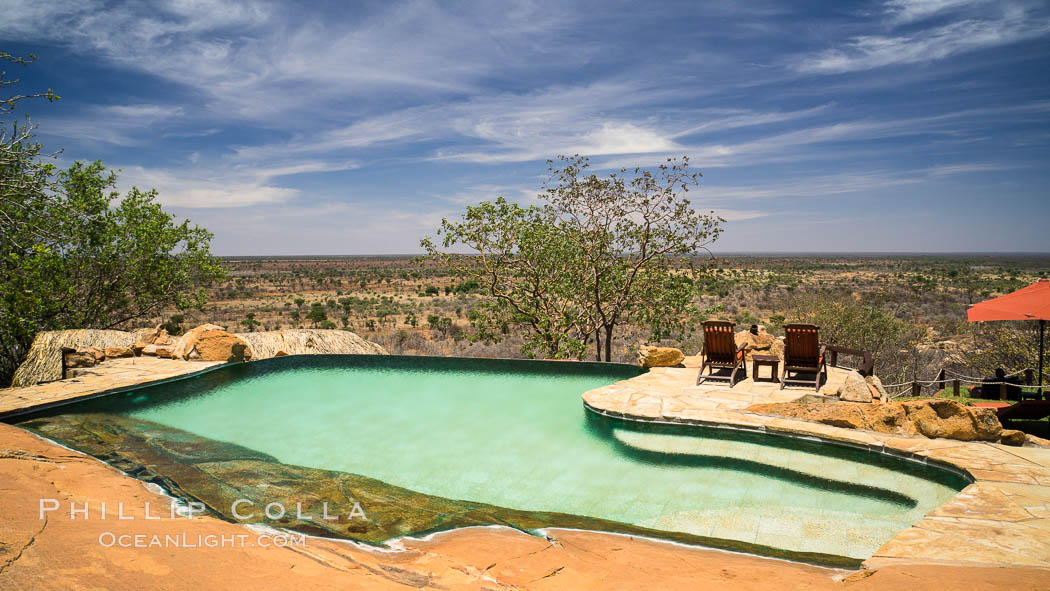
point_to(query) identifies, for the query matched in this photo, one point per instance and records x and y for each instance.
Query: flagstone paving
(108, 375)
(1003, 518)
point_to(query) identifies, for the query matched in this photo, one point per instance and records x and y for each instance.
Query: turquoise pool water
(522, 439)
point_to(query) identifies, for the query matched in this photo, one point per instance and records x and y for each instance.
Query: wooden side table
(772, 361)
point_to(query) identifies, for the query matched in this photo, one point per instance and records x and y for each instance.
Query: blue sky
(353, 128)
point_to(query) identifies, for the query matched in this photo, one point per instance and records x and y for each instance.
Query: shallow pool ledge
(1002, 518)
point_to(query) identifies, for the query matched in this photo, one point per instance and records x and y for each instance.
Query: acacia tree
(599, 252)
(528, 267)
(635, 236)
(74, 253)
(25, 176)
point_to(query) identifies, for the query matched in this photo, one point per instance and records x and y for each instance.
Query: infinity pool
(516, 435)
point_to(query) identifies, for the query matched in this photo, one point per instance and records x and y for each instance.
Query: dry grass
(44, 361)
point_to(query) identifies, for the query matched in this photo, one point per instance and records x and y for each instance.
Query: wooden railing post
(916, 389)
(1002, 391)
(941, 379)
(955, 388)
(1029, 376)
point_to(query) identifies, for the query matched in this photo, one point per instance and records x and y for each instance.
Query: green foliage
(599, 253)
(106, 260)
(317, 313)
(74, 253)
(174, 324)
(250, 322)
(847, 322)
(1012, 346)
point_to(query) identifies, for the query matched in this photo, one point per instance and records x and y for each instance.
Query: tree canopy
(599, 252)
(74, 253)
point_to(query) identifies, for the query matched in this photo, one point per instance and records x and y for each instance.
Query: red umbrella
(1027, 303)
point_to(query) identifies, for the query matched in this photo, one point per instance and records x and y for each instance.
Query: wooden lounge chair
(803, 354)
(720, 352)
(1027, 409)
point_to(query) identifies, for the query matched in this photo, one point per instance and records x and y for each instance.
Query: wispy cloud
(121, 125)
(865, 52)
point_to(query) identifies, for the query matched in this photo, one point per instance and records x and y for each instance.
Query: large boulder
(760, 343)
(184, 346)
(941, 417)
(659, 357)
(855, 388)
(219, 345)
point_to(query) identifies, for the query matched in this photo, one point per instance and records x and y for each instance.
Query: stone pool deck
(108, 375)
(999, 521)
(1002, 519)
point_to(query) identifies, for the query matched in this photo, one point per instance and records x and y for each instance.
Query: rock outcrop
(659, 357)
(43, 361)
(307, 342)
(936, 417)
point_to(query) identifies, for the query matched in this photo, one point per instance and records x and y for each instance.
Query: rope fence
(946, 376)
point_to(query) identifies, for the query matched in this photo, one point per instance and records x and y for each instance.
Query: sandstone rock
(117, 352)
(659, 357)
(849, 416)
(842, 415)
(936, 417)
(890, 419)
(150, 350)
(219, 345)
(153, 336)
(940, 417)
(139, 347)
(1033, 441)
(280, 354)
(762, 343)
(1012, 437)
(187, 341)
(79, 359)
(164, 351)
(831, 389)
(855, 389)
(877, 391)
(986, 423)
(95, 352)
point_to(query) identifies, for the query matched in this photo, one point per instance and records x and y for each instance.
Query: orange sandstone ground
(60, 553)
